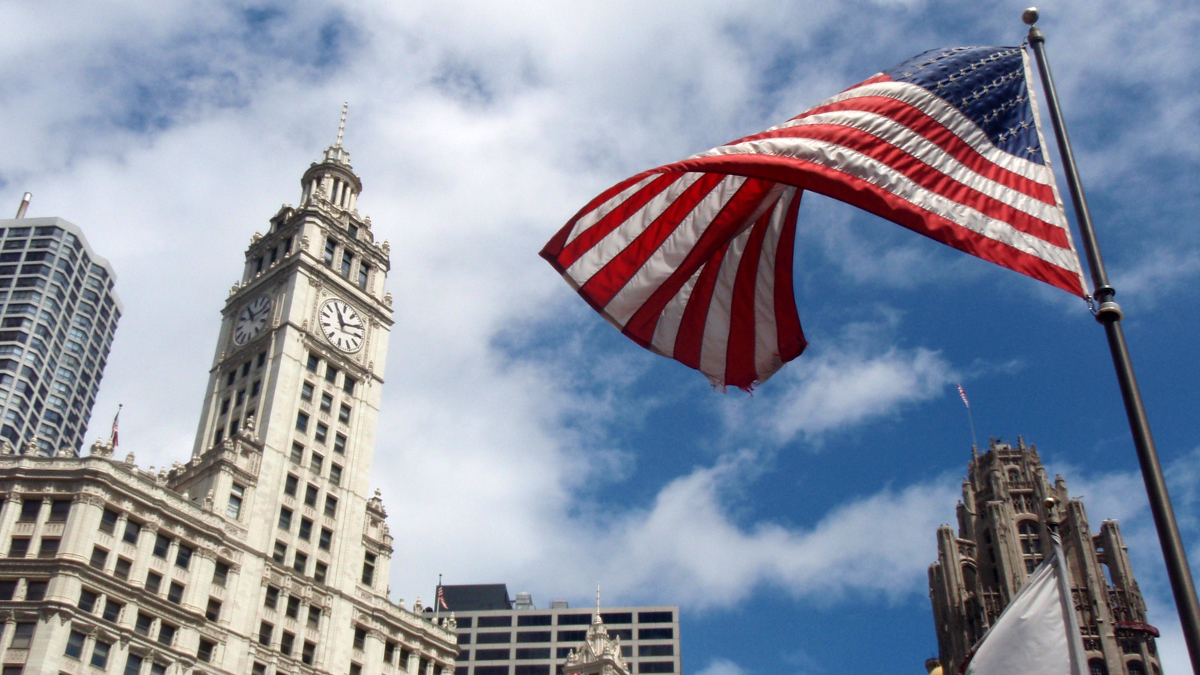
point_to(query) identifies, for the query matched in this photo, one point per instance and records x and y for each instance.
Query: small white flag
(1038, 633)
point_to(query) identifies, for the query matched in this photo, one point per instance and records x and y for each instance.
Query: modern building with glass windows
(60, 313)
(497, 636)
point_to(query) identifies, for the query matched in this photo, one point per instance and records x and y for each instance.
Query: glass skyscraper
(60, 313)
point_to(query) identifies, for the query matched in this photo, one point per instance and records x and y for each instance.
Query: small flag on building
(962, 393)
(113, 439)
(441, 598)
(1038, 632)
(693, 260)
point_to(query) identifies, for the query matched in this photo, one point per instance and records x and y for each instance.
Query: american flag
(693, 260)
(441, 598)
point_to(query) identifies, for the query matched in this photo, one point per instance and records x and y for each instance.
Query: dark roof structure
(476, 597)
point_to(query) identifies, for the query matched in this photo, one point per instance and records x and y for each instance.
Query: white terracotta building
(265, 553)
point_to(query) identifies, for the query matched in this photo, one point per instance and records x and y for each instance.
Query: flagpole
(1109, 314)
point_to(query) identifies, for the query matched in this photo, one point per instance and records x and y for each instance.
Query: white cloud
(722, 667)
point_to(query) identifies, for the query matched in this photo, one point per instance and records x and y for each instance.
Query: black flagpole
(1109, 314)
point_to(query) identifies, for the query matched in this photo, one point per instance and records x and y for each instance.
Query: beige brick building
(264, 554)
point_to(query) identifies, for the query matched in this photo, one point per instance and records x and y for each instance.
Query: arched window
(1136, 668)
(1097, 667)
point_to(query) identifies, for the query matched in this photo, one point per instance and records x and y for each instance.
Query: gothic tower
(1002, 537)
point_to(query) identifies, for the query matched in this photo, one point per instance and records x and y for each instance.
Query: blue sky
(524, 440)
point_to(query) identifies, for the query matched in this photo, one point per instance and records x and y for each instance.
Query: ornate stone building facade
(1001, 538)
(264, 554)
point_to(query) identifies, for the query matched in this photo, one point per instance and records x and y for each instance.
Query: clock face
(342, 326)
(252, 319)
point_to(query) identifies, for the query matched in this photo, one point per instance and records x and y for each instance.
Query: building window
(330, 506)
(144, 624)
(183, 557)
(264, 633)
(302, 422)
(262, 358)
(175, 592)
(331, 374)
(133, 665)
(310, 495)
(339, 443)
(87, 600)
(219, 436)
(255, 388)
(213, 611)
(108, 521)
(162, 544)
(30, 508)
(280, 552)
(314, 617)
(48, 547)
(322, 432)
(298, 450)
(75, 644)
(326, 538)
(344, 414)
(8, 588)
(290, 484)
(158, 669)
(310, 649)
(122, 569)
(59, 510)
(285, 518)
(306, 526)
(306, 391)
(335, 474)
(656, 667)
(347, 260)
(272, 598)
(286, 642)
(656, 633)
(132, 530)
(348, 385)
(364, 274)
(330, 250)
(166, 633)
(220, 574)
(259, 669)
(239, 397)
(153, 582)
(234, 508)
(100, 653)
(245, 369)
(656, 650)
(368, 572)
(112, 610)
(35, 591)
(22, 636)
(360, 638)
(205, 651)
(326, 402)
(320, 571)
(389, 651)
(19, 547)
(355, 669)
(313, 362)
(293, 607)
(300, 563)
(230, 377)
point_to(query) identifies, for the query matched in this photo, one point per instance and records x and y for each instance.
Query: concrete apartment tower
(1001, 538)
(265, 553)
(60, 313)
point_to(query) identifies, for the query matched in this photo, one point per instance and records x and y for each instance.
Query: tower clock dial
(342, 325)
(252, 319)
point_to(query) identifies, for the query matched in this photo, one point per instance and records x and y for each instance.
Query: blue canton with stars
(987, 84)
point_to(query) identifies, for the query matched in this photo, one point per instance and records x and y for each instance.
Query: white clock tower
(293, 402)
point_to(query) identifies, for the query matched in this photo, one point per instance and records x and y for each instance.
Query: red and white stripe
(693, 260)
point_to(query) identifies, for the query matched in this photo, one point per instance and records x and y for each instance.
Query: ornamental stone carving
(101, 449)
